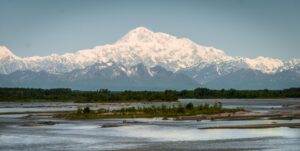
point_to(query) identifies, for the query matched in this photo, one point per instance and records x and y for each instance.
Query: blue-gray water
(152, 134)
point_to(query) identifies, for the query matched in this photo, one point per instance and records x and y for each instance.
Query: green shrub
(86, 110)
(189, 106)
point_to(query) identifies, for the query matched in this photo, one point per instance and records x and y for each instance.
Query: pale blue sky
(247, 28)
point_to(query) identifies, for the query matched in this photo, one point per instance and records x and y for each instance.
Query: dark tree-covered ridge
(104, 95)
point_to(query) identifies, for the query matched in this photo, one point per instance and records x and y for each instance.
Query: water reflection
(152, 134)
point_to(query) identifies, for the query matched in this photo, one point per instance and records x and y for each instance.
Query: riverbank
(286, 109)
(256, 126)
(175, 111)
(140, 134)
(34, 125)
(244, 115)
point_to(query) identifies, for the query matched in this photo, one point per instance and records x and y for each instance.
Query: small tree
(86, 110)
(189, 106)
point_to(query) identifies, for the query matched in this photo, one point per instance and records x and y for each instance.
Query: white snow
(265, 64)
(5, 52)
(142, 45)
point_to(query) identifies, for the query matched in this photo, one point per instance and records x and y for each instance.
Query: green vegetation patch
(148, 112)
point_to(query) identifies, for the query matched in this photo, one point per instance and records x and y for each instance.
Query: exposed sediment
(243, 116)
(42, 123)
(254, 126)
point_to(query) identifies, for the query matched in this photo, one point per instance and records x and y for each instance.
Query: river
(149, 134)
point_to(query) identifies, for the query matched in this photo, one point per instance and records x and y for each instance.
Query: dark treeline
(205, 93)
(64, 94)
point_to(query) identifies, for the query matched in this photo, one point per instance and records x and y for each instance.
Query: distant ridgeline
(104, 95)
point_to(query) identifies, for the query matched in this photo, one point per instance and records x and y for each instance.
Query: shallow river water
(150, 134)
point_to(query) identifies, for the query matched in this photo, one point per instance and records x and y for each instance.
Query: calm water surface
(260, 105)
(151, 134)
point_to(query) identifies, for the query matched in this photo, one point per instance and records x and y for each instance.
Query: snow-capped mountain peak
(139, 34)
(5, 52)
(156, 48)
(265, 64)
(142, 55)
(295, 62)
(143, 46)
(142, 35)
(140, 45)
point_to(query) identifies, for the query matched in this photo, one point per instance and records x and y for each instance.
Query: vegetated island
(179, 111)
(166, 112)
(104, 95)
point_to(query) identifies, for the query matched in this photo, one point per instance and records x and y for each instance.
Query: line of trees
(232, 93)
(62, 94)
(152, 111)
(65, 94)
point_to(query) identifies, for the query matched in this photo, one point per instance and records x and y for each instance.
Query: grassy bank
(148, 112)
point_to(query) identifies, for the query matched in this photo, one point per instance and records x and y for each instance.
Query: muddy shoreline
(254, 126)
(244, 116)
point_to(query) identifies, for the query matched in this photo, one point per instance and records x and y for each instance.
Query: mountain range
(147, 60)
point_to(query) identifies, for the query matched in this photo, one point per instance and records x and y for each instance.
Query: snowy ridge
(150, 48)
(4, 52)
(265, 64)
